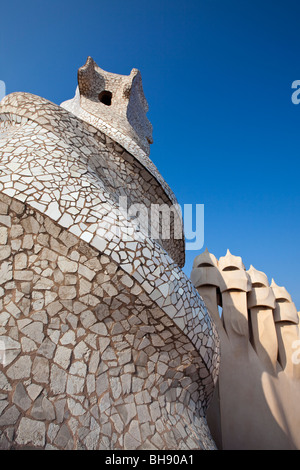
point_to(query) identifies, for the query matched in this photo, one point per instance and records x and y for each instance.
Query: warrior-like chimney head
(115, 104)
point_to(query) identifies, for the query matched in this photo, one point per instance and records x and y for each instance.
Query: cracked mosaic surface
(107, 343)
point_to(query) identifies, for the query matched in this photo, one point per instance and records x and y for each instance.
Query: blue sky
(217, 75)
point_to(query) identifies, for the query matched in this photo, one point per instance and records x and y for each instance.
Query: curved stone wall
(83, 159)
(90, 361)
(105, 342)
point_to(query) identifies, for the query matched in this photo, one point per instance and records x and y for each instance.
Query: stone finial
(281, 294)
(115, 104)
(205, 270)
(261, 294)
(205, 259)
(229, 262)
(258, 278)
(233, 273)
(285, 309)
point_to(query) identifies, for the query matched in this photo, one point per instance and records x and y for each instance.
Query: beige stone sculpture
(104, 342)
(256, 404)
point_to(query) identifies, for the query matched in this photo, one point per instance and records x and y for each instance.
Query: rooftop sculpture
(256, 401)
(105, 343)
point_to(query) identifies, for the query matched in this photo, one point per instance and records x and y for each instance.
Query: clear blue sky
(217, 75)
